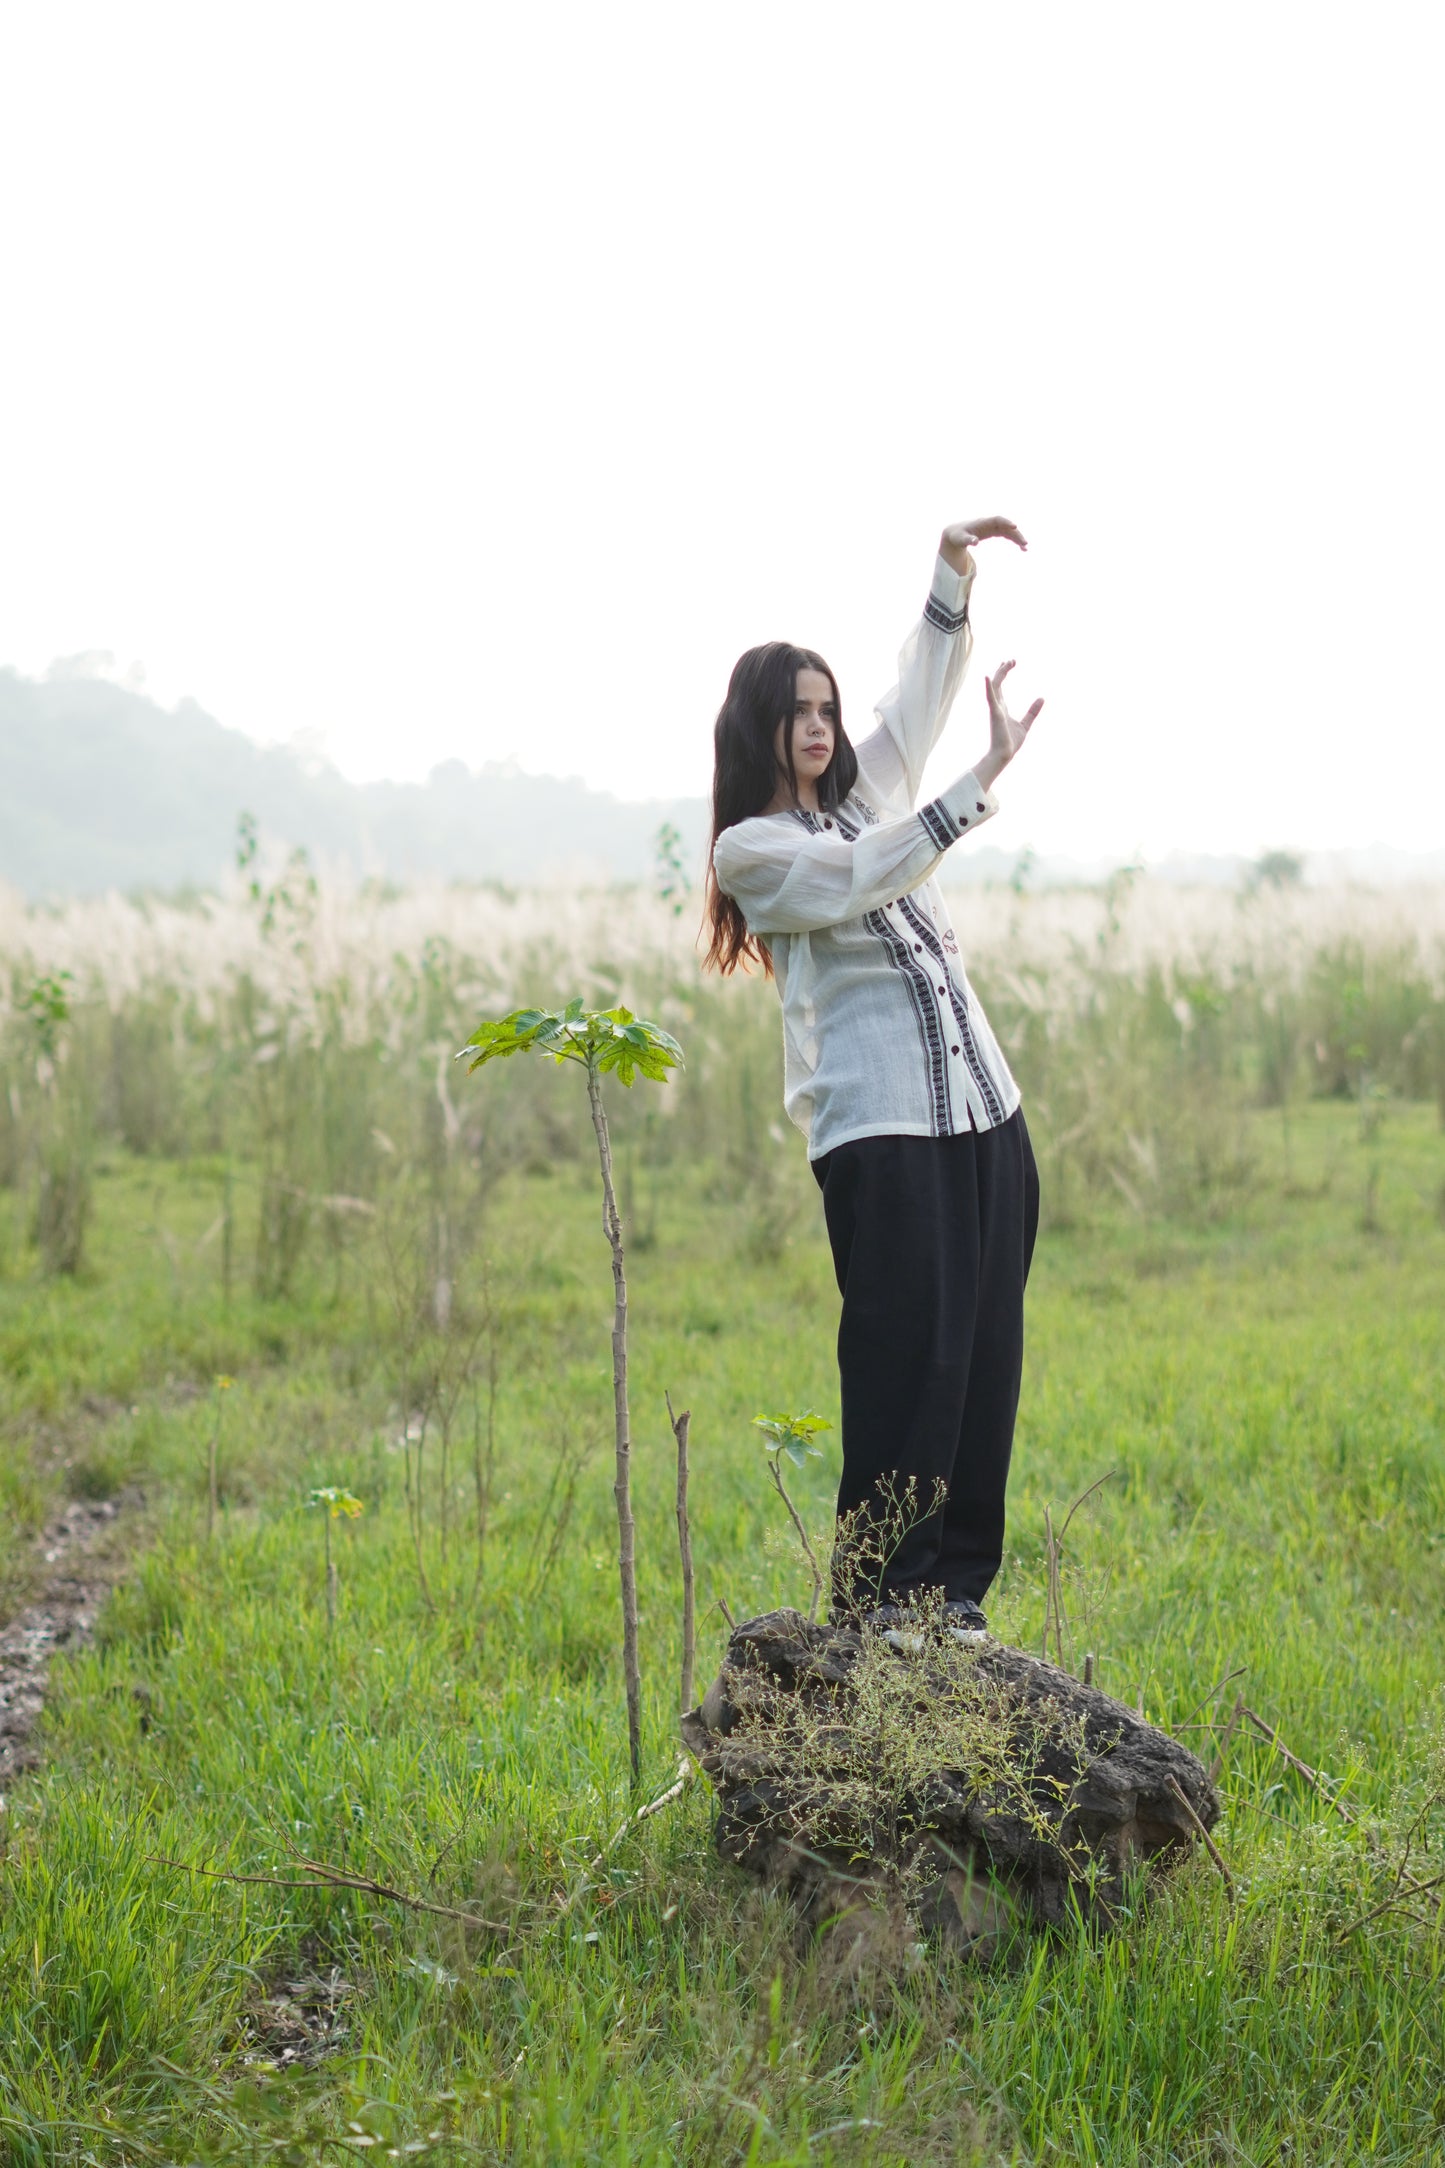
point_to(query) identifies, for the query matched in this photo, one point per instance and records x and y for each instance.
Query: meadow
(253, 1217)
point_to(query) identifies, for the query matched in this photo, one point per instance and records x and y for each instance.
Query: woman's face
(815, 731)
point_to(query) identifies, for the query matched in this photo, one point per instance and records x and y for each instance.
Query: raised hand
(1006, 732)
(958, 539)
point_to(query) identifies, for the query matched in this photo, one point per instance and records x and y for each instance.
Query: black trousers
(932, 1238)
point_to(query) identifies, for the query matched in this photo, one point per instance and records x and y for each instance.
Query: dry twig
(685, 1769)
(1054, 1551)
(1084, 1497)
(1312, 1777)
(321, 1876)
(1236, 1716)
(1215, 1690)
(1209, 1844)
(1053, 1606)
(1397, 1902)
(681, 1425)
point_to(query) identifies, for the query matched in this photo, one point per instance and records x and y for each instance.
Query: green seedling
(609, 1042)
(795, 1435)
(335, 1502)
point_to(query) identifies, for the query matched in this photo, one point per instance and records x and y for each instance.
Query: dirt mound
(964, 1787)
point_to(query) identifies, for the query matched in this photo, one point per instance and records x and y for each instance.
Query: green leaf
(338, 1500)
(612, 1041)
(793, 1434)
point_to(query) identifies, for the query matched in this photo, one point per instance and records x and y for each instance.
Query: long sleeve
(789, 878)
(931, 668)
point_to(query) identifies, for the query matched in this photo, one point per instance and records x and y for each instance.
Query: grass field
(1264, 1378)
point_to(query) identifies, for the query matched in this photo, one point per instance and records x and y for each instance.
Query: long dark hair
(762, 692)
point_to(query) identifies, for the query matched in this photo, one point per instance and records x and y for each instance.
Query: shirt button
(943, 989)
(918, 948)
(978, 806)
(953, 1050)
(827, 824)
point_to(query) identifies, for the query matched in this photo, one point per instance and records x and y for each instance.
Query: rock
(957, 1790)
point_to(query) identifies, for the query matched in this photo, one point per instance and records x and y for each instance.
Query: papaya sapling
(607, 1042)
(795, 1435)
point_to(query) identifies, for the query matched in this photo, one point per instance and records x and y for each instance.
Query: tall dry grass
(300, 1035)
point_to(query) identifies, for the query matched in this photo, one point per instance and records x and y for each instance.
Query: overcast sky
(478, 381)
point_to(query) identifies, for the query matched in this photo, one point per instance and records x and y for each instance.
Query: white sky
(467, 380)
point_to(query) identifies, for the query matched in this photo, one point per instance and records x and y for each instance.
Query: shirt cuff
(947, 604)
(964, 805)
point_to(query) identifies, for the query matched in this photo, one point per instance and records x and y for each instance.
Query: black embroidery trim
(920, 994)
(928, 934)
(946, 620)
(920, 990)
(942, 828)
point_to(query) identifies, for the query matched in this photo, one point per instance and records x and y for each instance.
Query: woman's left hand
(1006, 732)
(957, 540)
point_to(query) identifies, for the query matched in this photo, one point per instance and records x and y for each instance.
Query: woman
(823, 871)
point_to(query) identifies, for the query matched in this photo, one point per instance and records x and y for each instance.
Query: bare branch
(686, 1769)
(1209, 1844)
(1236, 1715)
(1395, 1903)
(1237, 1673)
(1312, 1777)
(1084, 1497)
(324, 1877)
(681, 1426)
(814, 1568)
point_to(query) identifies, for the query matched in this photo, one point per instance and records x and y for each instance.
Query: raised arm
(931, 666)
(792, 879)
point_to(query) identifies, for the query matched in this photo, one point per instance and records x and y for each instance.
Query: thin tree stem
(415, 1500)
(484, 1468)
(813, 1567)
(622, 1487)
(681, 1424)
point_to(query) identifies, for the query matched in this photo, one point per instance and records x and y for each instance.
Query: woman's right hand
(1006, 732)
(957, 540)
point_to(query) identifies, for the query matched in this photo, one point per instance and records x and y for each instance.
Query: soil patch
(78, 1559)
(297, 2022)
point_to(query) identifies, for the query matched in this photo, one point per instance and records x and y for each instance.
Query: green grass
(1266, 1387)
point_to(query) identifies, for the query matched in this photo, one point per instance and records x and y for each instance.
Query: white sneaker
(963, 1621)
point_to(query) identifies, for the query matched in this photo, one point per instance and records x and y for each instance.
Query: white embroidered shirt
(882, 1033)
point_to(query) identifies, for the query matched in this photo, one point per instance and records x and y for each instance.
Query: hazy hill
(101, 788)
